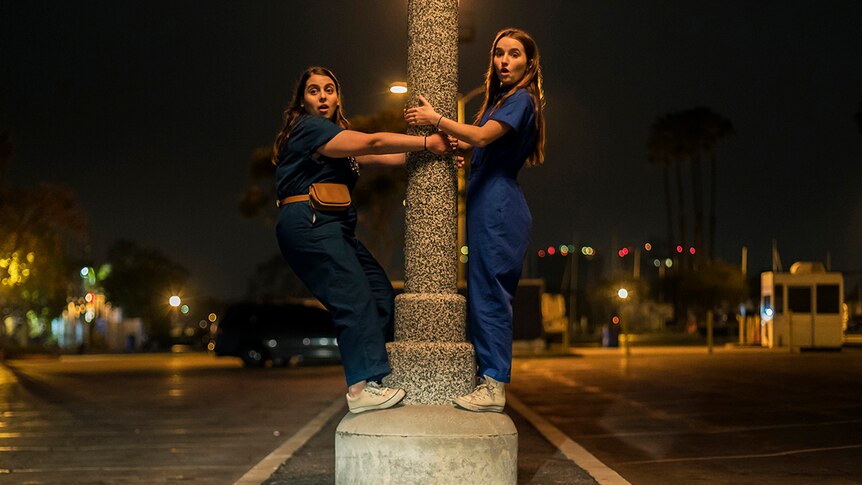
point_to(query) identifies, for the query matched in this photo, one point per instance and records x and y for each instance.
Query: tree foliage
(140, 281)
(42, 233)
(274, 281)
(714, 284)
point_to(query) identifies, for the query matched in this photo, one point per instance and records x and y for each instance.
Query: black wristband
(425, 143)
(437, 126)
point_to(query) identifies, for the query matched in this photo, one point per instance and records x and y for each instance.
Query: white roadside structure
(803, 308)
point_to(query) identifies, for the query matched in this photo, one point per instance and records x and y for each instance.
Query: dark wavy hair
(532, 82)
(295, 108)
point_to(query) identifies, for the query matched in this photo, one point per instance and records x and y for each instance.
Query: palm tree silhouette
(685, 137)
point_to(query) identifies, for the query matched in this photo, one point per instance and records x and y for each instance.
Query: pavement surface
(664, 415)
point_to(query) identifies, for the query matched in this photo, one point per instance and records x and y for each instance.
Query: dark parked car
(284, 334)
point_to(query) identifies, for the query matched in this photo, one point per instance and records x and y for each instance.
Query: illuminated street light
(398, 87)
(174, 301)
(623, 293)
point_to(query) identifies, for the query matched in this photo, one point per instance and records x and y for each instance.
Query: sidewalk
(539, 462)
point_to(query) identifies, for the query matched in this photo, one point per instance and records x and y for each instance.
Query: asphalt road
(150, 419)
(679, 416)
(661, 416)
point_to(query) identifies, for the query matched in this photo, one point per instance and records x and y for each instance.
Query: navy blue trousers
(322, 249)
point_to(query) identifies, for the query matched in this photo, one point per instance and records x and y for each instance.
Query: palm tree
(716, 128)
(668, 147)
(685, 137)
(659, 154)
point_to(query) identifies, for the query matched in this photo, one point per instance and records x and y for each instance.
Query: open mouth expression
(510, 62)
(321, 97)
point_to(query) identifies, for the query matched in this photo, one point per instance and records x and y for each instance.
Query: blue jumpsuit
(322, 249)
(498, 231)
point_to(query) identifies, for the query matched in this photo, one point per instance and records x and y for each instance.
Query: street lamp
(398, 87)
(623, 295)
(174, 301)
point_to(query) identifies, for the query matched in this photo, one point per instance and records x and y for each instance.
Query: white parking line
(573, 451)
(263, 470)
(744, 457)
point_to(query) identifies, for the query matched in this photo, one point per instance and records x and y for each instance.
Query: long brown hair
(532, 82)
(295, 109)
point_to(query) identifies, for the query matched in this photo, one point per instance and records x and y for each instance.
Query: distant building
(92, 323)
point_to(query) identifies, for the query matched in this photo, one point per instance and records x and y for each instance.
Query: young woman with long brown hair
(508, 133)
(315, 146)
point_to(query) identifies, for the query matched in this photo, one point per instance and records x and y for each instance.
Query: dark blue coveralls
(322, 249)
(498, 231)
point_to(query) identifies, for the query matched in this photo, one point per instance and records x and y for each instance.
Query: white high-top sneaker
(489, 396)
(375, 396)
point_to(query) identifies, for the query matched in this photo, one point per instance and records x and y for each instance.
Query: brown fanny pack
(323, 197)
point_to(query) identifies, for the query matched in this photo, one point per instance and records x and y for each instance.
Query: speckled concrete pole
(432, 71)
(428, 440)
(430, 358)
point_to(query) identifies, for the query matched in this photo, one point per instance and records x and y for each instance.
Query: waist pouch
(329, 197)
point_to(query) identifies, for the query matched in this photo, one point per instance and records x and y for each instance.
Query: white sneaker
(489, 396)
(375, 396)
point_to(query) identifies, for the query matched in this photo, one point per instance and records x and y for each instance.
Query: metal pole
(625, 332)
(573, 295)
(709, 321)
(462, 211)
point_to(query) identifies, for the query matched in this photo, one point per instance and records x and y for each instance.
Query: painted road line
(573, 451)
(263, 470)
(745, 457)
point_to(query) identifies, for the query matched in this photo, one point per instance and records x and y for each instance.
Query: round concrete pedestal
(420, 444)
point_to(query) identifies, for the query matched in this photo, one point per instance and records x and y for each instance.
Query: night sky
(150, 110)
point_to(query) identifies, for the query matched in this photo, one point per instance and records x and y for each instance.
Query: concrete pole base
(421, 444)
